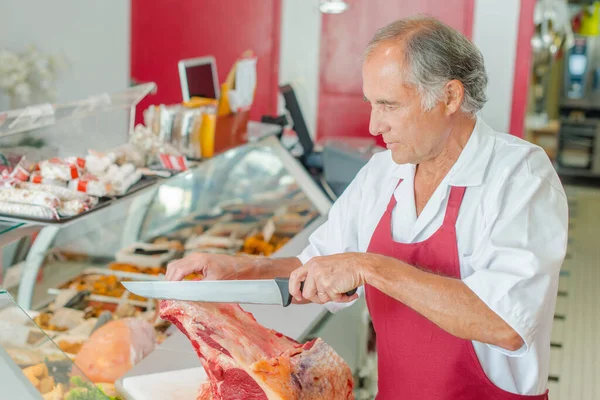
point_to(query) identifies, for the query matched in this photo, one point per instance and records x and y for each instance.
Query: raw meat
(246, 361)
(114, 348)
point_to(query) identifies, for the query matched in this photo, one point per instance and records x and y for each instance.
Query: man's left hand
(328, 278)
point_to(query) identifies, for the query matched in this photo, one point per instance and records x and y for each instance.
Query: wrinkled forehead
(386, 59)
(385, 68)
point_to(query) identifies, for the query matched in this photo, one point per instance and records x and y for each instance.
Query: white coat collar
(471, 166)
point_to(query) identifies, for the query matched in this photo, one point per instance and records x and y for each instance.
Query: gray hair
(436, 54)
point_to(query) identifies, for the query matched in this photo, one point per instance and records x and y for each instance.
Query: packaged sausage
(55, 168)
(63, 193)
(20, 173)
(97, 163)
(37, 178)
(122, 185)
(129, 153)
(27, 210)
(78, 161)
(71, 208)
(26, 196)
(93, 187)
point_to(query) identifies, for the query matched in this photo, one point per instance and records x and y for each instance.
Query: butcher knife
(260, 291)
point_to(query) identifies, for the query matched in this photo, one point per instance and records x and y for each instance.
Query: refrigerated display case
(32, 366)
(253, 199)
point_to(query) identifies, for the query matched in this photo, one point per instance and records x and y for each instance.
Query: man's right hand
(211, 266)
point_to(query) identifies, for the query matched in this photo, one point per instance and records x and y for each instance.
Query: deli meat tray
(143, 183)
(118, 276)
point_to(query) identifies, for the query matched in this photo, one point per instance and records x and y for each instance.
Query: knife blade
(260, 291)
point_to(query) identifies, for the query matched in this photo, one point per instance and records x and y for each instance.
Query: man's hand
(327, 278)
(225, 267)
(211, 266)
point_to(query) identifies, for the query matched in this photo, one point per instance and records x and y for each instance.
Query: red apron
(416, 358)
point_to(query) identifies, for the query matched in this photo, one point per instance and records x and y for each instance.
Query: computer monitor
(199, 78)
(291, 103)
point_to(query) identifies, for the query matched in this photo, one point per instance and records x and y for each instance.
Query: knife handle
(284, 288)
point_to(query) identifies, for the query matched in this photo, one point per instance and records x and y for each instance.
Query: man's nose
(376, 125)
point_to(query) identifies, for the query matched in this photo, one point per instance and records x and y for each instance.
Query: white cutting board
(172, 385)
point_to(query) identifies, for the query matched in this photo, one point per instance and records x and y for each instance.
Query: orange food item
(68, 347)
(138, 270)
(114, 348)
(43, 321)
(256, 245)
(194, 276)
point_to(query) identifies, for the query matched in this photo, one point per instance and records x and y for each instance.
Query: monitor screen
(200, 81)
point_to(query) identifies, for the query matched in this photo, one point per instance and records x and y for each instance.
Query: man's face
(411, 134)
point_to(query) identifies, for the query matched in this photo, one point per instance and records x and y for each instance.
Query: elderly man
(456, 234)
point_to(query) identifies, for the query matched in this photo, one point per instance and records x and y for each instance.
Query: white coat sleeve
(518, 257)
(339, 233)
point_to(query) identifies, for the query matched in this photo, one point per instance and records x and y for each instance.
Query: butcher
(455, 234)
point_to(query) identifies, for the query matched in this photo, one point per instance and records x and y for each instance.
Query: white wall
(495, 31)
(94, 36)
(299, 63)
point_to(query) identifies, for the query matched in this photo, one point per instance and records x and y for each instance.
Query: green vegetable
(83, 390)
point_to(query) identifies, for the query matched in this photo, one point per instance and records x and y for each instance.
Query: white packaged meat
(20, 173)
(198, 242)
(120, 187)
(27, 210)
(78, 161)
(37, 178)
(121, 178)
(55, 168)
(130, 153)
(26, 196)
(63, 193)
(97, 163)
(71, 208)
(90, 186)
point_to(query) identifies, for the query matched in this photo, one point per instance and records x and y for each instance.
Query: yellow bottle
(590, 21)
(207, 135)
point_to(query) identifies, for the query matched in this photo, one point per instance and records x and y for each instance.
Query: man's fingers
(171, 268)
(296, 278)
(322, 292)
(342, 298)
(179, 269)
(310, 289)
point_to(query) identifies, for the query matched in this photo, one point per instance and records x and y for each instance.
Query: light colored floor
(574, 371)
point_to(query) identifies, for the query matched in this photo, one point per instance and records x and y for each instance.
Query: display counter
(62, 277)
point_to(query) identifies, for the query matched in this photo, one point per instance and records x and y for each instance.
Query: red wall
(341, 109)
(164, 32)
(522, 68)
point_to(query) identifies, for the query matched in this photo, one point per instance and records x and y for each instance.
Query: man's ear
(454, 93)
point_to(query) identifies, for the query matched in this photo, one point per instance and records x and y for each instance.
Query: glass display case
(33, 366)
(254, 199)
(98, 122)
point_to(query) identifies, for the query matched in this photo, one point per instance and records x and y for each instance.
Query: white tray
(172, 385)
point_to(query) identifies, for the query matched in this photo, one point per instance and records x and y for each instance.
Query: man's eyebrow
(384, 102)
